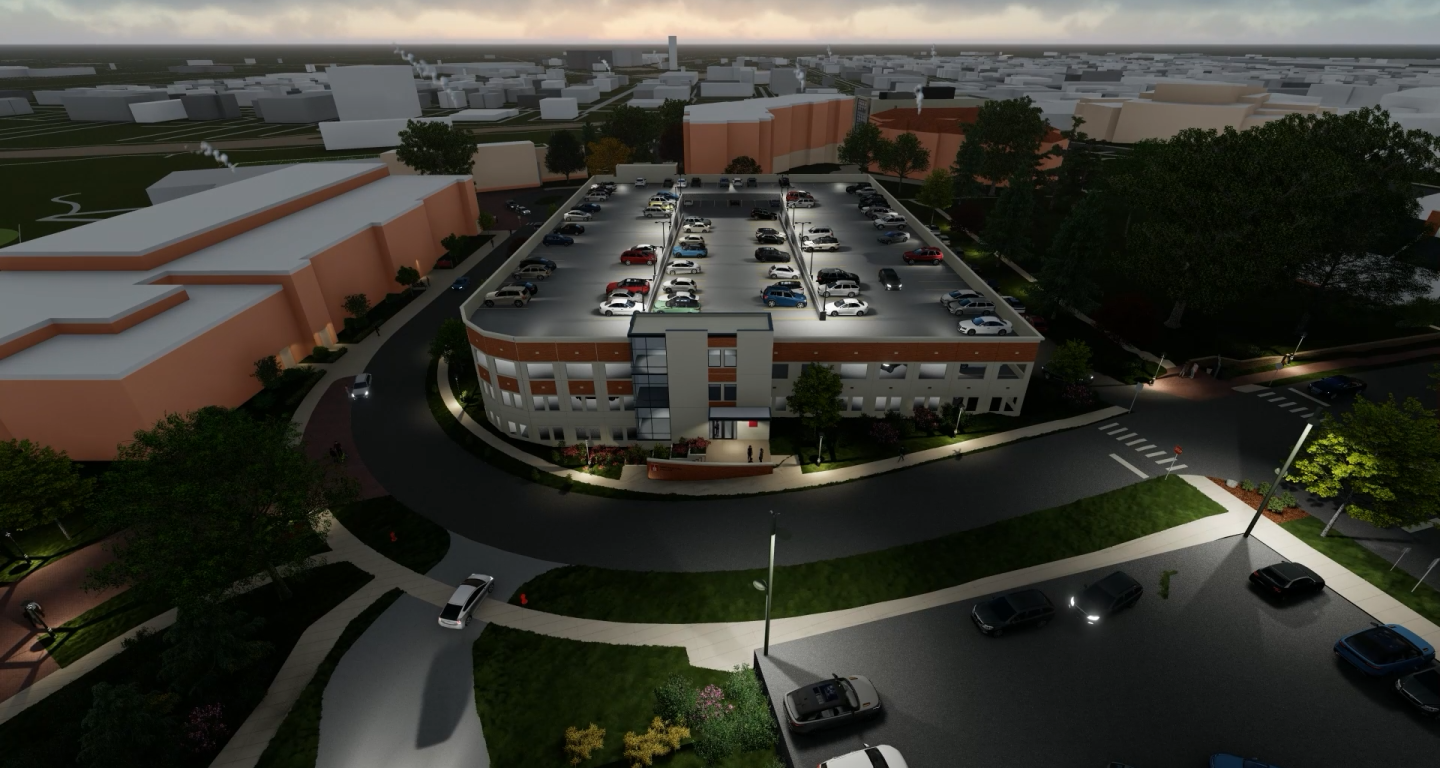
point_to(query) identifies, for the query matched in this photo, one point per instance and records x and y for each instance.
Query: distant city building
(780, 132)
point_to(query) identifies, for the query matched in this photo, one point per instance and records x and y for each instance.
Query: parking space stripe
(1129, 466)
(1127, 437)
(1145, 447)
(1165, 461)
(1107, 426)
(1153, 455)
(1133, 442)
(1115, 431)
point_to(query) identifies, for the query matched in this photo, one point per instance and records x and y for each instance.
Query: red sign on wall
(754, 423)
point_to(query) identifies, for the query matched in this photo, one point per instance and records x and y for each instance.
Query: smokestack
(674, 57)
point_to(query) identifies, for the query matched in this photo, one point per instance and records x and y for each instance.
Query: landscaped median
(1077, 528)
(395, 531)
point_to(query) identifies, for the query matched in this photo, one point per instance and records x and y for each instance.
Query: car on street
(1287, 579)
(631, 284)
(1025, 608)
(850, 288)
(1107, 596)
(588, 207)
(513, 296)
(831, 274)
(576, 215)
(890, 279)
(763, 213)
(766, 253)
(1332, 387)
(894, 236)
(822, 243)
(610, 307)
(1385, 649)
(360, 387)
(783, 272)
(855, 307)
(686, 302)
(532, 272)
(690, 251)
(674, 284)
(1422, 689)
(1226, 760)
(569, 229)
(462, 603)
(984, 325)
(794, 286)
(516, 208)
(638, 257)
(1015, 304)
(838, 701)
(460, 283)
(889, 221)
(976, 306)
(883, 756)
(683, 267)
(770, 237)
(853, 188)
(781, 297)
(926, 254)
(640, 182)
(554, 239)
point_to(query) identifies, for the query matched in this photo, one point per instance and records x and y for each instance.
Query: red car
(631, 284)
(927, 253)
(1037, 322)
(637, 257)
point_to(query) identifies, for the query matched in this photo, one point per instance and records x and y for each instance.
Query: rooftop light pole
(767, 585)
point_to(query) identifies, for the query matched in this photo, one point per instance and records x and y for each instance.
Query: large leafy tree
(564, 155)
(904, 156)
(125, 728)
(1381, 460)
(634, 127)
(1067, 273)
(1007, 228)
(937, 191)
(1079, 166)
(38, 486)
(603, 155)
(435, 148)
(815, 397)
(451, 342)
(1004, 139)
(212, 499)
(1070, 362)
(744, 164)
(861, 146)
(671, 116)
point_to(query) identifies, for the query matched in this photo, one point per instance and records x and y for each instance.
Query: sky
(719, 21)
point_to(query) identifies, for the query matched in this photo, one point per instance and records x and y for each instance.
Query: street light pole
(1265, 500)
(768, 584)
(16, 545)
(1297, 347)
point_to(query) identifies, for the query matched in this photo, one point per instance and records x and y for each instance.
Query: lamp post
(1265, 500)
(1297, 348)
(959, 414)
(16, 545)
(767, 585)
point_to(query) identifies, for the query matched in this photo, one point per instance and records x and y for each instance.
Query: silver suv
(976, 306)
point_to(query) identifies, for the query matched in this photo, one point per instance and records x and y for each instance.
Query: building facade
(780, 133)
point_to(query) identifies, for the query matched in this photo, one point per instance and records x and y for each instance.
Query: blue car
(666, 195)
(1224, 760)
(1385, 649)
(1332, 387)
(460, 284)
(780, 297)
(588, 207)
(554, 239)
(691, 251)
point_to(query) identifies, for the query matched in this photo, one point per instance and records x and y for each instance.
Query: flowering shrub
(710, 703)
(1077, 394)
(884, 433)
(205, 728)
(684, 447)
(581, 742)
(926, 420)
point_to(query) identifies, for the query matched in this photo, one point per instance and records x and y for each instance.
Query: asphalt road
(1213, 668)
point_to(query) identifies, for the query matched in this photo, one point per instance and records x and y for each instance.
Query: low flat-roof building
(1173, 107)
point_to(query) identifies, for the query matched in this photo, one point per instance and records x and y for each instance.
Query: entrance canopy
(740, 414)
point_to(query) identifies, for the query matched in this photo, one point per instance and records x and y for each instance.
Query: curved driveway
(1238, 436)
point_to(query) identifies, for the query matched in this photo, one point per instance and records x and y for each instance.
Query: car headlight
(1091, 619)
(1072, 602)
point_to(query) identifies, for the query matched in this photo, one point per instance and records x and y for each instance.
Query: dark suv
(831, 274)
(1112, 594)
(766, 253)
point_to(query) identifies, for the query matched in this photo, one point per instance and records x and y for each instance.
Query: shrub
(884, 433)
(1247, 485)
(1070, 362)
(1078, 395)
(745, 725)
(580, 743)
(1281, 502)
(658, 741)
(710, 703)
(675, 699)
(205, 728)
(926, 420)
(267, 371)
(1263, 488)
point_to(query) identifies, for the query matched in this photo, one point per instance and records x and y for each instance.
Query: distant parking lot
(1213, 668)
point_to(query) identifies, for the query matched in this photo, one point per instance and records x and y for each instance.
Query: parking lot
(1213, 668)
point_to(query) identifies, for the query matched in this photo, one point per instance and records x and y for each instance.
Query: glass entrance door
(722, 429)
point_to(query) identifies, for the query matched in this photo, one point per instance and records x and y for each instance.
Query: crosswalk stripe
(1307, 397)
(1145, 447)
(1281, 403)
(1267, 395)
(1165, 461)
(1115, 431)
(1178, 466)
(1132, 442)
(1298, 408)
(1107, 426)
(1153, 455)
(1127, 437)
(1128, 465)
(1306, 415)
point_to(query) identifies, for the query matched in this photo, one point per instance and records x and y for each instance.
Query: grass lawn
(49, 732)
(418, 542)
(1076, 528)
(101, 624)
(1368, 566)
(297, 742)
(529, 688)
(45, 544)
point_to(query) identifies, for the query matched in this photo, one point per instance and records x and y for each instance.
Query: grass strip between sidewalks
(1082, 526)
(392, 529)
(1368, 566)
(297, 742)
(101, 624)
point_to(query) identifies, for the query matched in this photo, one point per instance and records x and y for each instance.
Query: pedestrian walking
(762, 455)
(749, 453)
(902, 453)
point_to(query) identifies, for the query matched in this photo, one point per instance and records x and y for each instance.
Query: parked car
(541, 260)
(795, 194)
(596, 197)
(872, 205)
(631, 284)
(644, 247)
(640, 181)
(699, 219)
(690, 251)
(526, 287)
(820, 244)
(1107, 596)
(959, 294)
(890, 221)
(818, 231)
(856, 307)
(680, 284)
(1332, 387)
(724, 181)
(532, 272)
(681, 182)
(830, 703)
(1286, 579)
(588, 207)
(831, 274)
(576, 215)
(794, 286)
(894, 236)
(763, 213)
(462, 603)
(984, 325)
(771, 237)
(569, 229)
(660, 199)
(697, 182)
(883, 756)
(513, 296)
(460, 283)
(802, 202)
(692, 240)
(554, 239)
(1025, 608)
(849, 288)
(766, 253)
(668, 183)
(638, 257)
(890, 279)
(360, 387)
(1038, 323)
(683, 267)
(611, 307)
(1385, 649)
(1422, 689)
(975, 306)
(1015, 304)
(784, 181)
(853, 188)
(681, 301)
(779, 297)
(1225, 760)
(927, 254)
(657, 213)
(783, 272)
(751, 181)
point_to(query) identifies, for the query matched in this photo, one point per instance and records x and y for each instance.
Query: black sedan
(1422, 689)
(1112, 594)
(761, 213)
(769, 237)
(1332, 387)
(853, 188)
(570, 229)
(772, 254)
(1286, 579)
(1028, 607)
(890, 279)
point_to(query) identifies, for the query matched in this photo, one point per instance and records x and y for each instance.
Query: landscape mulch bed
(1252, 500)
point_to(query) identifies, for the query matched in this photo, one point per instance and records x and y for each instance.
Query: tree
(1004, 139)
(125, 728)
(451, 342)
(634, 127)
(816, 398)
(861, 146)
(937, 191)
(212, 499)
(564, 155)
(267, 371)
(207, 644)
(904, 156)
(744, 164)
(435, 148)
(603, 155)
(1067, 272)
(357, 306)
(588, 133)
(672, 143)
(1007, 228)
(1070, 362)
(1079, 165)
(486, 220)
(1381, 460)
(407, 276)
(39, 485)
(671, 111)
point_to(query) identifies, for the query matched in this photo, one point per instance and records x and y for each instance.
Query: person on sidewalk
(902, 453)
(749, 453)
(762, 455)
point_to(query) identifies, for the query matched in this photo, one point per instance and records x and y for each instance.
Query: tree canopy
(436, 148)
(38, 485)
(634, 127)
(1004, 139)
(451, 342)
(861, 146)
(937, 191)
(744, 164)
(605, 154)
(564, 154)
(356, 305)
(1007, 228)
(904, 155)
(1067, 273)
(816, 397)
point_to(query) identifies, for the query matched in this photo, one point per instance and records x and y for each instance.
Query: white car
(870, 210)
(701, 219)
(639, 182)
(576, 216)
(856, 307)
(677, 284)
(680, 182)
(820, 244)
(984, 325)
(682, 293)
(510, 295)
(694, 240)
(889, 221)
(817, 231)
(683, 267)
(697, 226)
(620, 294)
(458, 609)
(611, 307)
(360, 388)
(657, 213)
(596, 197)
(868, 757)
(783, 272)
(803, 202)
(847, 288)
(646, 247)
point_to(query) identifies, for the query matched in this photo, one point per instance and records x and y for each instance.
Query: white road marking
(1298, 408)
(1153, 455)
(1127, 437)
(1129, 466)
(1306, 415)
(1115, 431)
(1267, 395)
(1176, 466)
(1165, 461)
(1281, 403)
(1107, 426)
(1307, 397)
(1145, 447)
(1132, 442)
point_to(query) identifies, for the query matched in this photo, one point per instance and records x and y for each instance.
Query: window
(542, 432)
(538, 401)
(857, 403)
(524, 431)
(1008, 371)
(615, 371)
(513, 401)
(971, 371)
(994, 404)
(892, 370)
(505, 367)
(632, 433)
(539, 371)
(880, 403)
(621, 403)
(780, 405)
(972, 404)
(918, 402)
(932, 370)
(933, 403)
(779, 370)
(654, 423)
(722, 429)
(894, 404)
(588, 433)
(512, 426)
(647, 354)
(1010, 403)
(723, 357)
(854, 370)
(579, 371)
(617, 434)
(723, 392)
